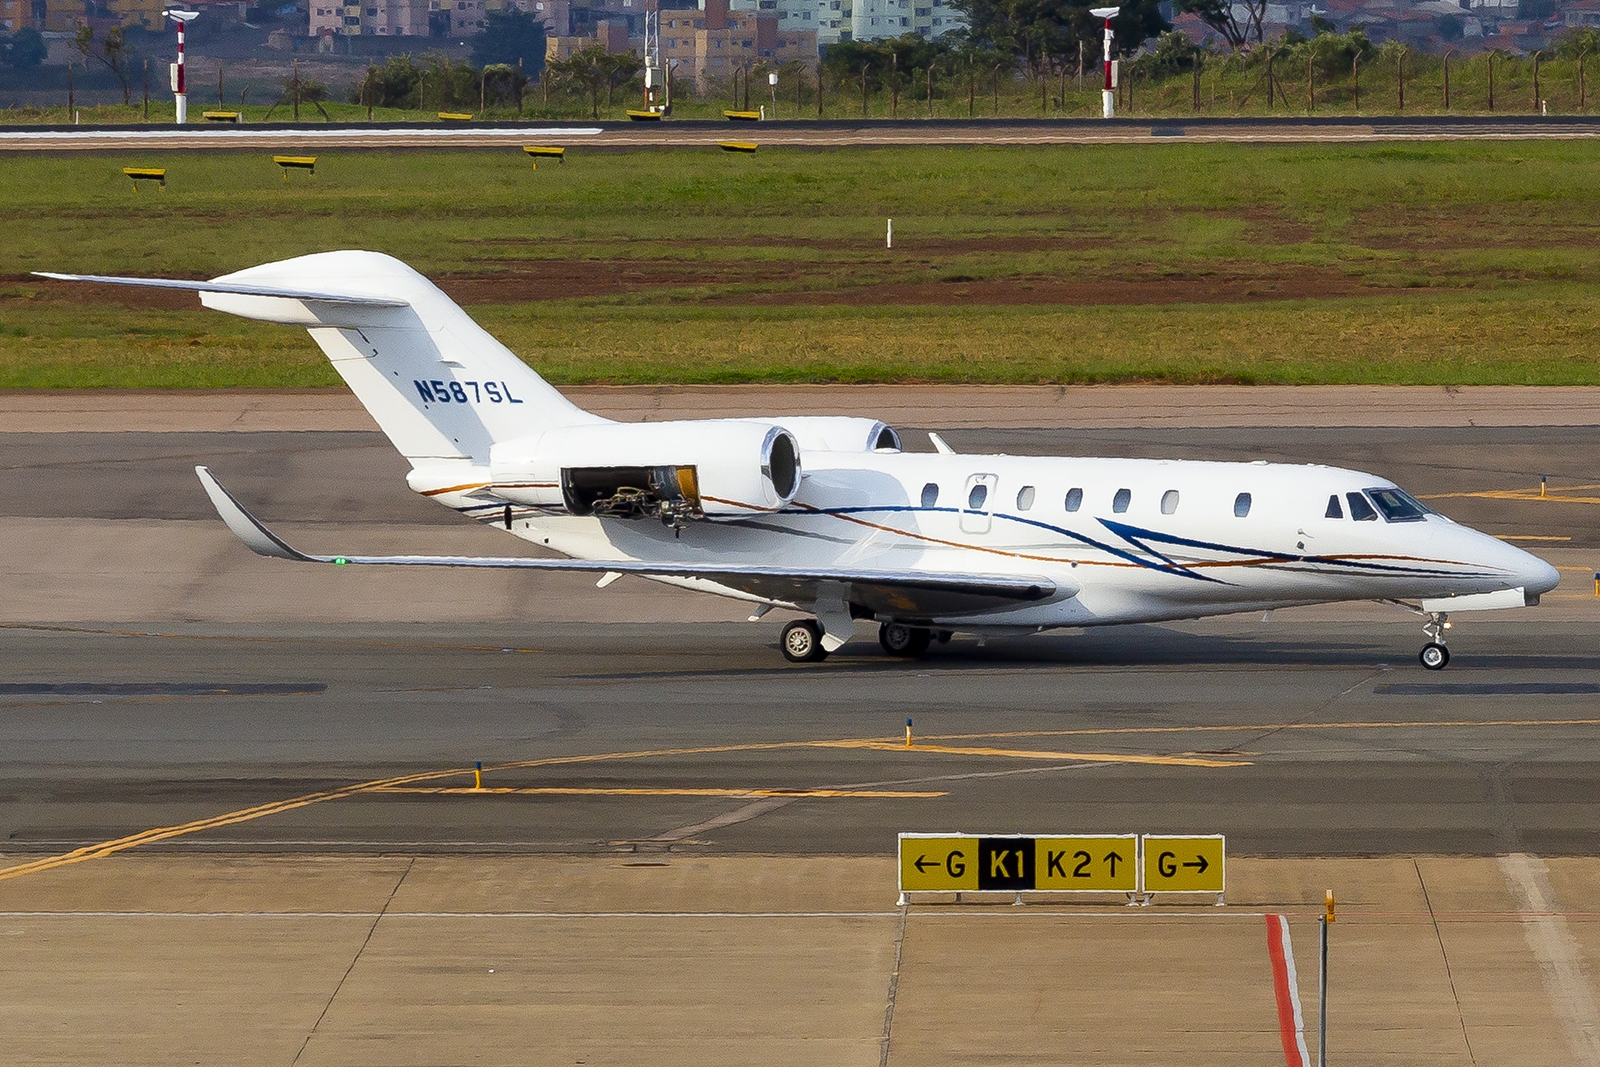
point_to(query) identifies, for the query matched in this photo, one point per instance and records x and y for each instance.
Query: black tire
(1434, 656)
(802, 642)
(898, 639)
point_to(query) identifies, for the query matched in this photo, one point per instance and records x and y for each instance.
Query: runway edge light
(1328, 905)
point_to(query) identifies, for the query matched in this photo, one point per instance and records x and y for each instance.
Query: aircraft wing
(893, 593)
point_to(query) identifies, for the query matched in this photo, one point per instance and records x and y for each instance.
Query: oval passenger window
(979, 494)
(1241, 505)
(1169, 502)
(1120, 502)
(1074, 499)
(930, 495)
(1025, 498)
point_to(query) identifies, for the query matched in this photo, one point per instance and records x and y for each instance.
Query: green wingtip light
(340, 560)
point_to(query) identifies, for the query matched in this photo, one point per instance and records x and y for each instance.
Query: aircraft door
(977, 502)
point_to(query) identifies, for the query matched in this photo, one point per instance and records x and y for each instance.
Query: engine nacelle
(669, 470)
(837, 433)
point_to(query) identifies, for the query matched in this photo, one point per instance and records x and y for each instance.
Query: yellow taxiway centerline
(645, 791)
(165, 833)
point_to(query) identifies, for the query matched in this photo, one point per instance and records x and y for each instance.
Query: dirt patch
(23, 288)
(1298, 284)
(790, 285)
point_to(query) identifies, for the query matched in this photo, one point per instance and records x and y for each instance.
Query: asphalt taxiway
(159, 675)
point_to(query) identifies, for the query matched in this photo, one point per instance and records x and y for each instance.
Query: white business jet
(829, 516)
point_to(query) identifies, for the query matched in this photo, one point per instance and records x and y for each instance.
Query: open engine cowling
(668, 470)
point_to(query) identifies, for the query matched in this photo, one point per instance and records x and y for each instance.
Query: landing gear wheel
(898, 639)
(1434, 656)
(802, 642)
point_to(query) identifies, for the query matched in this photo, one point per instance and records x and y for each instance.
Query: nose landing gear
(1435, 656)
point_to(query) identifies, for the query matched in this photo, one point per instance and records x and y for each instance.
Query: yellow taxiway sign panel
(1185, 864)
(938, 863)
(1095, 863)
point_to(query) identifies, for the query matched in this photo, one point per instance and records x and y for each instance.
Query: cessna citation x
(828, 516)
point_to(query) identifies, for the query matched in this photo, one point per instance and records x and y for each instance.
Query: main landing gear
(802, 642)
(1435, 656)
(899, 639)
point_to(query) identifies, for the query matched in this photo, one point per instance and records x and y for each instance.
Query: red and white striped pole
(1108, 97)
(180, 93)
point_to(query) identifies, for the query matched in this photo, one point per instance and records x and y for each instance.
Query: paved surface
(830, 133)
(255, 681)
(940, 407)
(741, 960)
(236, 821)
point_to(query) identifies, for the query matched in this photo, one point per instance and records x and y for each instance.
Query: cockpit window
(1334, 510)
(1397, 505)
(930, 494)
(1360, 510)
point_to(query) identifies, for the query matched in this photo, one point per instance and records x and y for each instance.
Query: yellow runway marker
(1028, 753)
(887, 744)
(645, 791)
(1530, 537)
(1273, 726)
(164, 833)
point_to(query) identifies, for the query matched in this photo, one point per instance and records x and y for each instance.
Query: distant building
(146, 14)
(382, 18)
(16, 14)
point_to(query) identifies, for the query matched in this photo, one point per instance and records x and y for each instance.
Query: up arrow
(1200, 864)
(922, 862)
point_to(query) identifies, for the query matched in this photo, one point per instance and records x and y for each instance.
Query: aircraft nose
(1535, 575)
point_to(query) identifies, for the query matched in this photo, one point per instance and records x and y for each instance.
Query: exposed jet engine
(673, 471)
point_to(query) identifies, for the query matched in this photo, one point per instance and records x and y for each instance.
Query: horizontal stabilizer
(892, 592)
(229, 287)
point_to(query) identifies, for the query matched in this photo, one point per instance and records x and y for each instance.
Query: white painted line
(923, 912)
(1560, 959)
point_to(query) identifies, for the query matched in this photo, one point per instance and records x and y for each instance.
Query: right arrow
(1200, 864)
(922, 862)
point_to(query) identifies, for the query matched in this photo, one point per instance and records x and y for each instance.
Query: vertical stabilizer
(437, 383)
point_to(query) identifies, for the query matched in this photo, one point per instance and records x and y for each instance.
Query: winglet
(939, 444)
(245, 526)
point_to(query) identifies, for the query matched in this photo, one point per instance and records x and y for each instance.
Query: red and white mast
(179, 91)
(1108, 97)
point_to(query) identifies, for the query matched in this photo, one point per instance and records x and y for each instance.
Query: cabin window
(1169, 502)
(1360, 510)
(1120, 502)
(930, 495)
(1397, 505)
(1241, 505)
(979, 494)
(1025, 498)
(1074, 499)
(1334, 510)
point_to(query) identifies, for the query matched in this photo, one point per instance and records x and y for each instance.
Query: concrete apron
(670, 960)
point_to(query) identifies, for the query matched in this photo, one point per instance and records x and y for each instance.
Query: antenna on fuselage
(939, 444)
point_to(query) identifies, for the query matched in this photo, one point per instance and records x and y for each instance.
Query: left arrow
(923, 863)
